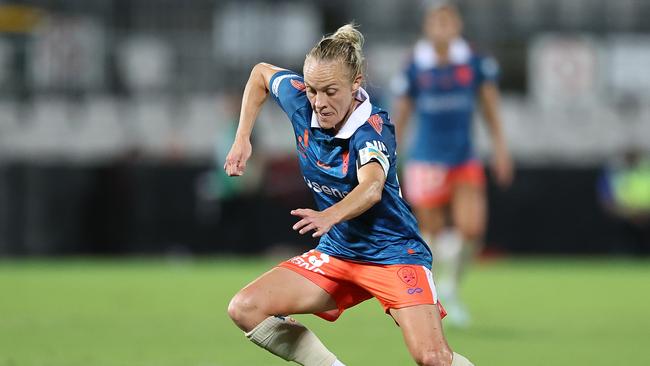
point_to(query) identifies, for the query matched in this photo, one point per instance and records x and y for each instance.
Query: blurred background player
(624, 191)
(441, 83)
(369, 246)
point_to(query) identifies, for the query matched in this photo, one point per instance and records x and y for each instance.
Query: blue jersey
(445, 98)
(386, 233)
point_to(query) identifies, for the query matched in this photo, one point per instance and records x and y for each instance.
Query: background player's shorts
(428, 185)
(350, 283)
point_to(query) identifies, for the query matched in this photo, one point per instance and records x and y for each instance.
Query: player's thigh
(422, 330)
(431, 220)
(279, 291)
(427, 186)
(469, 210)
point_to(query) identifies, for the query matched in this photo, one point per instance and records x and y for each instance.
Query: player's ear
(356, 83)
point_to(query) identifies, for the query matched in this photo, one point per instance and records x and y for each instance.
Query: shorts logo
(298, 84)
(311, 261)
(408, 276)
(413, 291)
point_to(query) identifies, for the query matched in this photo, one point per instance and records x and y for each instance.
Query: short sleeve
(370, 146)
(404, 84)
(487, 70)
(288, 90)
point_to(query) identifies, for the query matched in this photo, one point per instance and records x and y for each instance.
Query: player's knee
(472, 231)
(433, 227)
(240, 309)
(441, 357)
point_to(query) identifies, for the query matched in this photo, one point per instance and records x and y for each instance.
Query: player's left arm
(502, 162)
(371, 176)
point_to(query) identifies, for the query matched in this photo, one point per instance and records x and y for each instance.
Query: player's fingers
(300, 224)
(232, 167)
(241, 164)
(231, 170)
(320, 232)
(504, 176)
(299, 212)
(308, 228)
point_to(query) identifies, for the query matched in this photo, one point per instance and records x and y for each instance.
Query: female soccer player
(369, 243)
(441, 83)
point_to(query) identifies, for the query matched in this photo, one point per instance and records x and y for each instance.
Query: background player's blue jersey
(387, 233)
(445, 98)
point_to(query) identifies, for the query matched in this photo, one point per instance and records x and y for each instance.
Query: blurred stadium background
(116, 115)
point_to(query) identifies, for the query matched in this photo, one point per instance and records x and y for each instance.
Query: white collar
(358, 117)
(425, 57)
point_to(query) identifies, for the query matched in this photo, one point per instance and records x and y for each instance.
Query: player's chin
(327, 122)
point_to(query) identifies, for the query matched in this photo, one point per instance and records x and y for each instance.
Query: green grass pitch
(162, 312)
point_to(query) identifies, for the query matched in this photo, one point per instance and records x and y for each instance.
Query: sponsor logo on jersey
(321, 188)
(298, 84)
(376, 122)
(445, 102)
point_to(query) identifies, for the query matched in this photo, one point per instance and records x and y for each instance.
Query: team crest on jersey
(376, 122)
(464, 75)
(298, 84)
(408, 276)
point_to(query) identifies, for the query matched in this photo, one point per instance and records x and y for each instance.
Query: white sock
(460, 360)
(338, 363)
(447, 250)
(287, 338)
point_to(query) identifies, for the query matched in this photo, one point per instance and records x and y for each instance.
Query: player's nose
(319, 102)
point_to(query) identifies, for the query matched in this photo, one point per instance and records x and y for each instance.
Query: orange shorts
(429, 185)
(350, 283)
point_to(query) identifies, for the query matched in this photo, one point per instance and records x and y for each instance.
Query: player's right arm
(402, 115)
(405, 88)
(255, 93)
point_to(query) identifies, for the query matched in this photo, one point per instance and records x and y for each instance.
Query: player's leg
(469, 212)
(422, 331)
(468, 208)
(428, 190)
(407, 292)
(279, 291)
(431, 222)
(261, 308)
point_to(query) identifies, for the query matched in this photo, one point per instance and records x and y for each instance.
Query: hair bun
(349, 33)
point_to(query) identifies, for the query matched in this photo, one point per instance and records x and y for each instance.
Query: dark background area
(135, 208)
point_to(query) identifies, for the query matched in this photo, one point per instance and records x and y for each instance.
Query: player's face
(442, 25)
(330, 91)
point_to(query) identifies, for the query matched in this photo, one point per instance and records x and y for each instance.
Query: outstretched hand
(239, 154)
(502, 168)
(319, 221)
